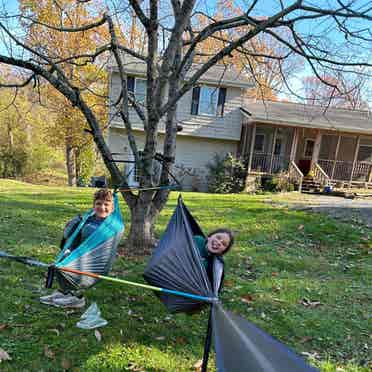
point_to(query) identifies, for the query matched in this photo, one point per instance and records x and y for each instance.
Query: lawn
(301, 277)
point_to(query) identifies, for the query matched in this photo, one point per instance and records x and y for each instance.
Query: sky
(330, 37)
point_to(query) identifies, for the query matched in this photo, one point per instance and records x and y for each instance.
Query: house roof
(309, 116)
(216, 75)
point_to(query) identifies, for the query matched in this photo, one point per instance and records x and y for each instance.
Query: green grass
(281, 257)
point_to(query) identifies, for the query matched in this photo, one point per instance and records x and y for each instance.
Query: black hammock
(239, 345)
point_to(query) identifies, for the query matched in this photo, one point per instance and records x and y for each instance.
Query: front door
(304, 163)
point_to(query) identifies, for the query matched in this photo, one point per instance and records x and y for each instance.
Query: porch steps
(309, 185)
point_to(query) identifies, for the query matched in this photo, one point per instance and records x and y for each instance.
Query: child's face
(218, 243)
(103, 208)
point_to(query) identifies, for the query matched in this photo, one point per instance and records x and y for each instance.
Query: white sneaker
(48, 300)
(70, 302)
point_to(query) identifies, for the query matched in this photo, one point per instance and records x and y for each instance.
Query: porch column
(296, 135)
(336, 156)
(318, 140)
(355, 159)
(253, 137)
(272, 149)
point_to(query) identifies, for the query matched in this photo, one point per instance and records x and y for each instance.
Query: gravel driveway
(356, 210)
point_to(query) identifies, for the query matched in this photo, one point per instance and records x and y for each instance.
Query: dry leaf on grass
(98, 335)
(300, 227)
(4, 355)
(160, 338)
(198, 365)
(247, 299)
(3, 326)
(66, 364)
(48, 352)
(307, 303)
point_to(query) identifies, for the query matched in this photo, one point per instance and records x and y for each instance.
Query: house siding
(227, 127)
(192, 156)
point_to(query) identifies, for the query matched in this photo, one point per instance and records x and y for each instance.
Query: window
(365, 153)
(259, 143)
(278, 146)
(208, 100)
(309, 148)
(137, 87)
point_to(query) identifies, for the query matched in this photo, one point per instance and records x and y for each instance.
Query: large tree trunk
(141, 238)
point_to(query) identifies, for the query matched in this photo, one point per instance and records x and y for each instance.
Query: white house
(209, 114)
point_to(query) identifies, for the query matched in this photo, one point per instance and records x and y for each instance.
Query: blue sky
(330, 37)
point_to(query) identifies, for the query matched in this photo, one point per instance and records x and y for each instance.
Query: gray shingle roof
(218, 75)
(309, 116)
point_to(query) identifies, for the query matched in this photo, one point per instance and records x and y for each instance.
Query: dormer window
(208, 100)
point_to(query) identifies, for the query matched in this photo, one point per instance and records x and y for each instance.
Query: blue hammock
(95, 254)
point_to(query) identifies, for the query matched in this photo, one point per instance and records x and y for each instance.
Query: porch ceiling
(309, 116)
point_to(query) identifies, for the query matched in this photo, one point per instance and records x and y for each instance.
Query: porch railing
(295, 175)
(339, 170)
(269, 163)
(319, 174)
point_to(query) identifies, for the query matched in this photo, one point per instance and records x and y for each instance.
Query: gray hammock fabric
(239, 345)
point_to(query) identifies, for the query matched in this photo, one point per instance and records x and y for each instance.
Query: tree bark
(141, 238)
(70, 165)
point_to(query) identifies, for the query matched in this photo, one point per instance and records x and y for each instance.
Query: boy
(103, 206)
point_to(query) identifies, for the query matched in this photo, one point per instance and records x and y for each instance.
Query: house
(332, 145)
(209, 114)
(328, 145)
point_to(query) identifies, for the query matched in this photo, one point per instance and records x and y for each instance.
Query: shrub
(226, 175)
(277, 183)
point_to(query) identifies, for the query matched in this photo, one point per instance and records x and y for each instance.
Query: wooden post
(355, 159)
(296, 135)
(272, 150)
(253, 137)
(315, 156)
(336, 156)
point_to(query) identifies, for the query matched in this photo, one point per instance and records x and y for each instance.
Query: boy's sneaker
(48, 300)
(70, 302)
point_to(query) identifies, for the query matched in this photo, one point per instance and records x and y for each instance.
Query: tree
(342, 90)
(171, 46)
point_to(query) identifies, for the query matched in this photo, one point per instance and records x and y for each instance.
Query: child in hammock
(103, 205)
(217, 243)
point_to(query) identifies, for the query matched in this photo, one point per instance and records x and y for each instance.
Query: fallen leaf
(98, 335)
(66, 364)
(274, 273)
(198, 365)
(307, 303)
(300, 227)
(48, 352)
(181, 341)
(4, 355)
(247, 299)
(55, 330)
(305, 339)
(3, 326)
(160, 338)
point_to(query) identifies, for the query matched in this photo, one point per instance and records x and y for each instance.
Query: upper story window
(137, 87)
(208, 100)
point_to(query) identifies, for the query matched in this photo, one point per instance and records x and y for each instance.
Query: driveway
(356, 210)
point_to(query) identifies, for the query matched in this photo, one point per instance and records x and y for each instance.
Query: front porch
(342, 159)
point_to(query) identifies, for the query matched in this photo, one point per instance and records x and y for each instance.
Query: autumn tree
(171, 45)
(67, 129)
(342, 90)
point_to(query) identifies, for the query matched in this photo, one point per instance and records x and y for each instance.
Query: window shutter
(195, 101)
(130, 84)
(221, 101)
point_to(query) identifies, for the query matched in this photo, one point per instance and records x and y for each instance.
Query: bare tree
(171, 45)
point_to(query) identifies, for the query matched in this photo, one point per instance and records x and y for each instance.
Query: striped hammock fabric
(95, 254)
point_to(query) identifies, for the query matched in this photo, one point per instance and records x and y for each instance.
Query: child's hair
(224, 230)
(103, 194)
